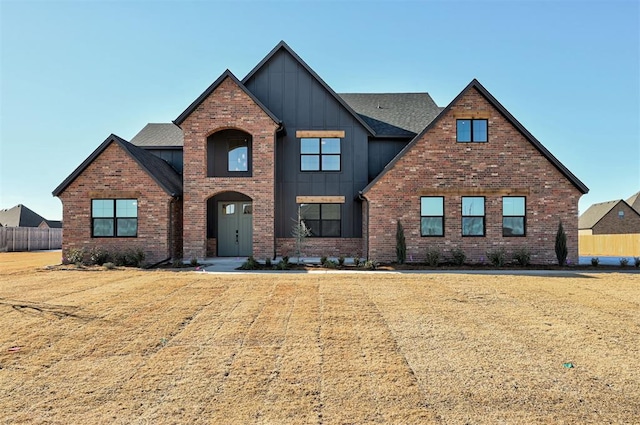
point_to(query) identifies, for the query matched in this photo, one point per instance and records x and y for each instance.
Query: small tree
(401, 244)
(561, 245)
(300, 232)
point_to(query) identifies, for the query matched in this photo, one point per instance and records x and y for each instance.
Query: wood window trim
(320, 133)
(320, 199)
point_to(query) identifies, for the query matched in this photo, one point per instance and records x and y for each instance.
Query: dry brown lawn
(129, 346)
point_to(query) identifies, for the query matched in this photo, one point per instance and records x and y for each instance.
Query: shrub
(522, 256)
(250, 264)
(267, 263)
(370, 265)
(356, 261)
(323, 260)
(433, 257)
(561, 245)
(134, 257)
(497, 257)
(74, 256)
(177, 263)
(282, 264)
(636, 261)
(458, 256)
(341, 260)
(401, 244)
(194, 262)
(330, 264)
(285, 260)
(624, 262)
(98, 256)
(595, 261)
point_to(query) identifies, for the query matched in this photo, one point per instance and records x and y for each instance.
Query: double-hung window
(114, 218)
(513, 216)
(323, 220)
(320, 154)
(471, 131)
(473, 216)
(432, 216)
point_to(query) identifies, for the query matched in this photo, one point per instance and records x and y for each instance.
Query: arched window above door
(229, 154)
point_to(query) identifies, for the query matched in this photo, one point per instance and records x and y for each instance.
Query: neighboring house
(634, 201)
(609, 218)
(230, 174)
(21, 216)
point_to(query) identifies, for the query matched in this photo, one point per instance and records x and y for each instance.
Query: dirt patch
(161, 347)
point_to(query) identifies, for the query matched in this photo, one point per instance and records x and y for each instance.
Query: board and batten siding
(303, 104)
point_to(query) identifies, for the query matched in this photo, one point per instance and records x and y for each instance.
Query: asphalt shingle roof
(159, 135)
(20, 216)
(394, 114)
(634, 201)
(594, 214)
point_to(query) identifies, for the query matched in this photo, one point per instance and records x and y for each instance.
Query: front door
(235, 229)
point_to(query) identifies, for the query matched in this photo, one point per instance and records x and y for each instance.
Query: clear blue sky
(74, 72)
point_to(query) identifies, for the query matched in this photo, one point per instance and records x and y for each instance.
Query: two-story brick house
(229, 176)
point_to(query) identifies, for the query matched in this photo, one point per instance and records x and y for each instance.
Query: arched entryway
(230, 225)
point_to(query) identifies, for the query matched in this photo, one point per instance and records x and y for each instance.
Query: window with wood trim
(514, 216)
(432, 216)
(112, 218)
(323, 220)
(320, 154)
(470, 130)
(473, 216)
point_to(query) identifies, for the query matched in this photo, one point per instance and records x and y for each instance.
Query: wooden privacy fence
(610, 245)
(29, 239)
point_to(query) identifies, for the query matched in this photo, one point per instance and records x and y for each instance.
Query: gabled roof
(52, 224)
(159, 135)
(159, 170)
(394, 114)
(284, 46)
(20, 216)
(475, 84)
(634, 201)
(226, 74)
(596, 212)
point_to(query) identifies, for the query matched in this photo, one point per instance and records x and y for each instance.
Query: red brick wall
(438, 163)
(317, 247)
(115, 175)
(228, 107)
(612, 224)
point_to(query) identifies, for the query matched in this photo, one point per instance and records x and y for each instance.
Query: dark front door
(235, 229)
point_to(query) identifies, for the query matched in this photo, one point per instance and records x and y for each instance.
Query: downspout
(279, 129)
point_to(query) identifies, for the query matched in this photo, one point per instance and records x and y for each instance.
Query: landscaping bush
(74, 256)
(561, 245)
(356, 261)
(522, 256)
(401, 244)
(624, 262)
(595, 261)
(323, 259)
(458, 257)
(98, 256)
(250, 264)
(267, 263)
(433, 257)
(370, 265)
(636, 261)
(497, 257)
(341, 260)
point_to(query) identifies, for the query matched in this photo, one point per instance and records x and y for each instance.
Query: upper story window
(320, 154)
(513, 216)
(322, 219)
(238, 155)
(471, 130)
(473, 216)
(432, 216)
(229, 154)
(114, 218)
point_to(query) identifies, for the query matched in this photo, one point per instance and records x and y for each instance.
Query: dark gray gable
(507, 115)
(227, 74)
(283, 46)
(159, 170)
(20, 216)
